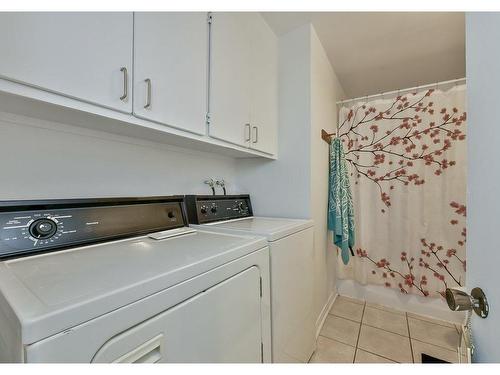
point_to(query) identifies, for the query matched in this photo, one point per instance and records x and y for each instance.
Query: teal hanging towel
(340, 208)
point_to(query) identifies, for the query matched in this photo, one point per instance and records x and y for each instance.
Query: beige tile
(385, 319)
(350, 299)
(386, 344)
(446, 337)
(432, 350)
(331, 351)
(340, 329)
(430, 320)
(463, 344)
(365, 357)
(385, 308)
(346, 308)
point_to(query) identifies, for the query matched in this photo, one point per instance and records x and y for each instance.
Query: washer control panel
(209, 208)
(31, 226)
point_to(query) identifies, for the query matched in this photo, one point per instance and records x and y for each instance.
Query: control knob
(213, 209)
(43, 228)
(203, 210)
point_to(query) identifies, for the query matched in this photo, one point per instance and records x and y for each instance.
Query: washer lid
(271, 228)
(46, 294)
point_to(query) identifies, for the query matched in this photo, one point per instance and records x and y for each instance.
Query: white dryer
(125, 280)
(291, 250)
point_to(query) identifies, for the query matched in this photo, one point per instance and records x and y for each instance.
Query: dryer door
(221, 324)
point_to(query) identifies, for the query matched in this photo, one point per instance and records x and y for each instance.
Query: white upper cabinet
(244, 81)
(170, 69)
(264, 94)
(86, 56)
(161, 71)
(230, 86)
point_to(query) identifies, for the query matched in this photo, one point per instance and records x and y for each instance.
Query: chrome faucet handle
(222, 184)
(211, 182)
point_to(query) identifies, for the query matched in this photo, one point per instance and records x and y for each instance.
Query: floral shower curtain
(407, 163)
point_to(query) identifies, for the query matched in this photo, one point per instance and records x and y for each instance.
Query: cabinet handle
(125, 83)
(148, 96)
(256, 132)
(247, 128)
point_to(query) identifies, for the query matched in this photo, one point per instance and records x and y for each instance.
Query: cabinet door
(230, 74)
(222, 324)
(170, 69)
(86, 56)
(264, 93)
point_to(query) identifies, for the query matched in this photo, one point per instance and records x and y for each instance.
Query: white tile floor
(359, 332)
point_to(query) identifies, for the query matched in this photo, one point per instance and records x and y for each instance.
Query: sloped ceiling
(374, 52)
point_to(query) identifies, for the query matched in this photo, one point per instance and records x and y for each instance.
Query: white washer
(291, 249)
(183, 296)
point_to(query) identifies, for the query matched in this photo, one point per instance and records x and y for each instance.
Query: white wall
(41, 159)
(296, 184)
(483, 203)
(325, 92)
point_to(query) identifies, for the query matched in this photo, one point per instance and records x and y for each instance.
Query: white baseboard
(324, 312)
(432, 307)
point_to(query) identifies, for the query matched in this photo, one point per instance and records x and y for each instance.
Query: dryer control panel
(210, 208)
(27, 227)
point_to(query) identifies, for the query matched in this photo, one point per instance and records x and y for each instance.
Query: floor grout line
(385, 308)
(438, 324)
(378, 355)
(343, 317)
(340, 342)
(430, 343)
(423, 318)
(385, 330)
(409, 337)
(359, 333)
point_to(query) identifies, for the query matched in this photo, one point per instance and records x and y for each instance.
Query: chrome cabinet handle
(125, 83)
(247, 127)
(148, 96)
(256, 132)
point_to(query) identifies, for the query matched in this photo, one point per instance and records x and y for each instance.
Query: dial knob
(213, 209)
(43, 228)
(242, 206)
(203, 210)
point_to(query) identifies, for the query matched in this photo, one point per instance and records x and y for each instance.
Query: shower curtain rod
(431, 85)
